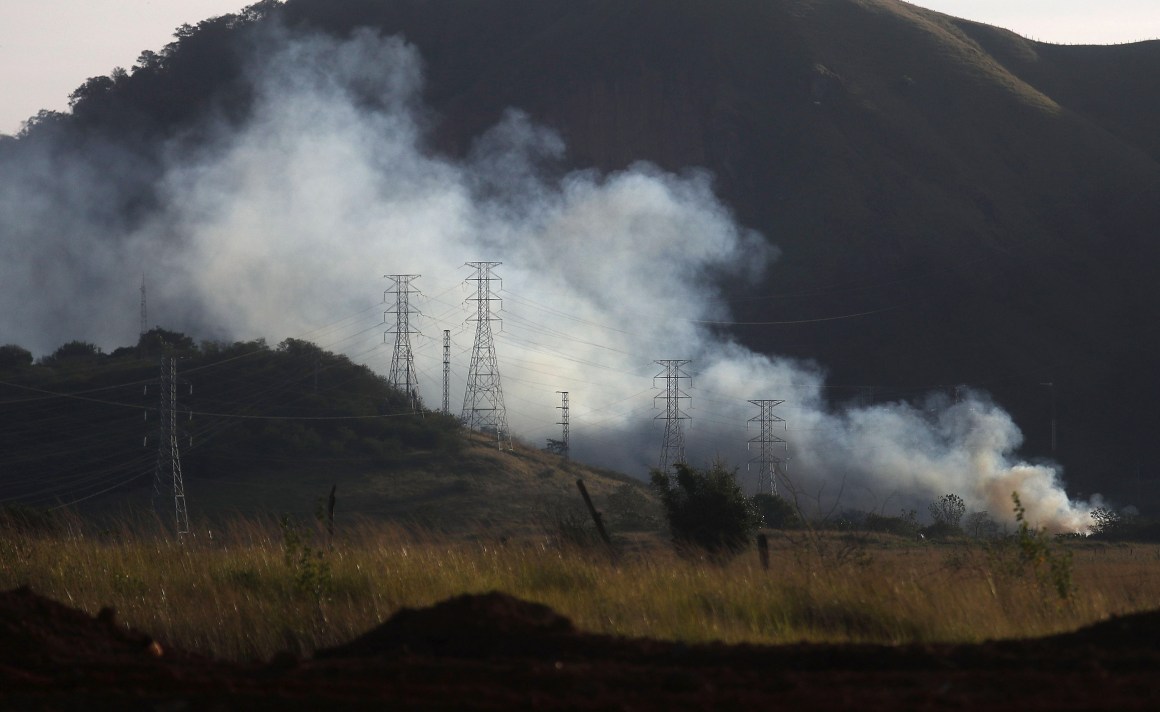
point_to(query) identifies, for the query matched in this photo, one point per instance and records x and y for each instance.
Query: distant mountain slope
(990, 201)
(263, 431)
(953, 203)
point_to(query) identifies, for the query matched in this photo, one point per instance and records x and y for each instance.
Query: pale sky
(50, 47)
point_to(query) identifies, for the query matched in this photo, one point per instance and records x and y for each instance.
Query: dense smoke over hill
(284, 224)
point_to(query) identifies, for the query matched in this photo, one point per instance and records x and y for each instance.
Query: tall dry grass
(237, 594)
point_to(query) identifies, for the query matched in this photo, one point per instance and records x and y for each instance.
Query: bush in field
(1106, 522)
(776, 512)
(947, 512)
(980, 525)
(1030, 554)
(904, 525)
(706, 509)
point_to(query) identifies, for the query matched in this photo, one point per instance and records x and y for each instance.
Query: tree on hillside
(158, 341)
(72, 352)
(13, 356)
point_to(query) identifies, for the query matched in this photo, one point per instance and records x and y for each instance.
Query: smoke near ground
(285, 226)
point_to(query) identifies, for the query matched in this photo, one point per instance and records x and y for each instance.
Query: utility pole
(563, 408)
(168, 469)
(767, 461)
(483, 407)
(446, 371)
(673, 449)
(144, 319)
(402, 376)
(1051, 385)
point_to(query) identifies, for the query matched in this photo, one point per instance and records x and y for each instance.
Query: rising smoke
(284, 227)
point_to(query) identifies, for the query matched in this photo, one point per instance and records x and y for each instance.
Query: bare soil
(495, 652)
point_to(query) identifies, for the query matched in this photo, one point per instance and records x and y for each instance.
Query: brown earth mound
(469, 625)
(34, 628)
(496, 652)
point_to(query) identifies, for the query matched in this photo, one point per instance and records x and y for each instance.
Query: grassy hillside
(265, 431)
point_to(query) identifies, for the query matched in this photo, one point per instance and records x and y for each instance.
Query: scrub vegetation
(254, 587)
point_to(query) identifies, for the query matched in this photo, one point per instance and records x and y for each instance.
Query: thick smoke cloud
(285, 226)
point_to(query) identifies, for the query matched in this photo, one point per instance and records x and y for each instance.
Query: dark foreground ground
(494, 652)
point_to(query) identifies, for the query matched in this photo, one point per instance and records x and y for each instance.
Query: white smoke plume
(285, 226)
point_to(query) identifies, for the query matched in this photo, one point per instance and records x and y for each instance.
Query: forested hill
(80, 423)
(953, 204)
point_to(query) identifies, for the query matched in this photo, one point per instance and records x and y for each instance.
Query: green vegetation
(706, 509)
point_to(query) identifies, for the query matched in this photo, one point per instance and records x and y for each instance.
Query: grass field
(259, 587)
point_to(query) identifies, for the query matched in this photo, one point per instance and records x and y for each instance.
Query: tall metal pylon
(168, 470)
(402, 376)
(673, 449)
(483, 407)
(563, 408)
(767, 459)
(446, 372)
(144, 317)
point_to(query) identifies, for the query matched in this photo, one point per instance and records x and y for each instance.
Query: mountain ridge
(952, 203)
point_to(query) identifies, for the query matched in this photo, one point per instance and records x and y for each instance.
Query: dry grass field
(259, 587)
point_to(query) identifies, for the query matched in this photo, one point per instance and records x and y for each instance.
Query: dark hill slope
(265, 431)
(991, 199)
(988, 203)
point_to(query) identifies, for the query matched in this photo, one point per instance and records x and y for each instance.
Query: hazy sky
(49, 47)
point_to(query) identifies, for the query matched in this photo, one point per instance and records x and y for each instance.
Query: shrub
(1106, 522)
(947, 512)
(706, 509)
(776, 512)
(901, 525)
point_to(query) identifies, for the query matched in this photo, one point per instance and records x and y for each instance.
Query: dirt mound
(466, 626)
(1137, 630)
(496, 652)
(36, 629)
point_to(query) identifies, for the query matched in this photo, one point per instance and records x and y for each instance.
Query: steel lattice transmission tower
(563, 408)
(446, 372)
(168, 470)
(767, 459)
(402, 376)
(673, 449)
(483, 407)
(144, 313)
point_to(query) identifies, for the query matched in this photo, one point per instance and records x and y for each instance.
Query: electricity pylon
(767, 459)
(563, 408)
(144, 313)
(402, 376)
(483, 407)
(168, 469)
(673, 449)
(446, 372)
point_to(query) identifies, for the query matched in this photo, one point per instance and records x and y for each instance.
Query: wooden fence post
(596, 518)
(763, 550)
